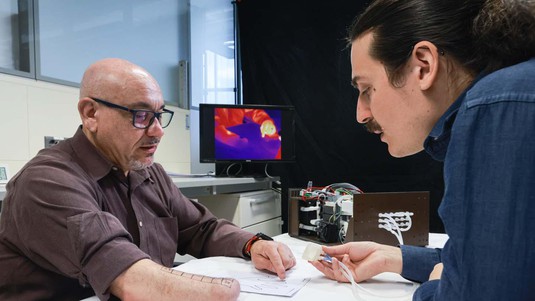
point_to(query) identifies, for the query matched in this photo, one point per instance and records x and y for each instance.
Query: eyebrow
(144, 105)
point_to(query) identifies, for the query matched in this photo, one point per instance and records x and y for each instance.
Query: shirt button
(140, 224)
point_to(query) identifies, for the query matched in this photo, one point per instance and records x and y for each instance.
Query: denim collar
(436, 144)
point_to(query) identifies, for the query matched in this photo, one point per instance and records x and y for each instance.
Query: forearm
(147, 280)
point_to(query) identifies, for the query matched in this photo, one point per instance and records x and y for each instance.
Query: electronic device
(341, 212)
(325, 212)
(246, 133)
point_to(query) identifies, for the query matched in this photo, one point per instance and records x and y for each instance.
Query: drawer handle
(260, 201)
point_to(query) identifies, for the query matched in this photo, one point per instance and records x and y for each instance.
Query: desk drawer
(244, 209)
(272, 227)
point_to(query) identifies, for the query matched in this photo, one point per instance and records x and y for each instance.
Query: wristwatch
(250, 242)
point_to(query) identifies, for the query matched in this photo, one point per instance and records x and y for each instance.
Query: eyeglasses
(142, 119)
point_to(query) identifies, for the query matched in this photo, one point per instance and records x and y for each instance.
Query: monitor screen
(246, 133)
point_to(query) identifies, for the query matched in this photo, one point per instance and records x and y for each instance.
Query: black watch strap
(258, 236)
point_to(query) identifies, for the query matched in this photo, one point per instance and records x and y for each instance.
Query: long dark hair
(480, 35)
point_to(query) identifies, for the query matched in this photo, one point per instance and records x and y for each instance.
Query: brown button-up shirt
(71, 223)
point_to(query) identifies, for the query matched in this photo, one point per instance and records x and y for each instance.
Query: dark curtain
(295, 52)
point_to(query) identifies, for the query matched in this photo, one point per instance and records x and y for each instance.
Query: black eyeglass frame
(135, 111)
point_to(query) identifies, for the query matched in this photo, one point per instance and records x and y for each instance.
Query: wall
(30, 110)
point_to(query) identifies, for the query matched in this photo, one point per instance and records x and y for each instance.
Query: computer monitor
(246, 133)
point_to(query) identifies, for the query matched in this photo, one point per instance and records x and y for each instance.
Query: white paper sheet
(251, 280)
(262, 283)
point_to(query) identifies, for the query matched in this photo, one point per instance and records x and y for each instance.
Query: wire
(266, 171)
(350, 187)
(388, 223)
(314, 252)
(342, 234)
(355, 287)
(230, 166)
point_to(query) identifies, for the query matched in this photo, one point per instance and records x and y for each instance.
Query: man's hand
(272, 256)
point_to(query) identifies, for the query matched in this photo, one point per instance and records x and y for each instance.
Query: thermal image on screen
(247, 134)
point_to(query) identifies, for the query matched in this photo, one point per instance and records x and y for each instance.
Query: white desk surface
(390, 286)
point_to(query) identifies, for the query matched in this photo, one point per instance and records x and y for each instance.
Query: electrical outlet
(51, 141)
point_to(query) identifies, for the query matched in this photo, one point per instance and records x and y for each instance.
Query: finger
(337, 271)
(288, 258)
(336, 250)
(324, 267)
(275, 260)
(350, 267)
(291, 263)
(318, 265)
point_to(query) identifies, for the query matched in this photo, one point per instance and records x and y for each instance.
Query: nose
(155, 129)
(363, 113)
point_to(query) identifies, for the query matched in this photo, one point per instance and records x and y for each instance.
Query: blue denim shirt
(487, 142)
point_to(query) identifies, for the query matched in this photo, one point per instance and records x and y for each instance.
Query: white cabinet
(255, 211)
(270, 227)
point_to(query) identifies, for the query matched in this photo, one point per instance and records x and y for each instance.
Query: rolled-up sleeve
(103, 248)
(62, 228)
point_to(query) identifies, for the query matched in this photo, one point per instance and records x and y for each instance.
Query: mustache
(151, 141)
(372, 126)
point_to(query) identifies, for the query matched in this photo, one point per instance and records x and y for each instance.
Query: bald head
(115, 95)
(114, 78)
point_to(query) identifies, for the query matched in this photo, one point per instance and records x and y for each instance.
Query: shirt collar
(445, 122)
(94, 163)
(91, 160)
(436, 144)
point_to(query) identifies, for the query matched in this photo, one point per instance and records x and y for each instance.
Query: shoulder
(51, 169)
(50, 163)
(510, 84)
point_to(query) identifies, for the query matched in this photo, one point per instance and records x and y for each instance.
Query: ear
(425, 57)
(88, 113)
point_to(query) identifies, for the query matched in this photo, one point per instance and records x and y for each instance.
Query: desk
(201, 186)
(388, 285)
(319, 287)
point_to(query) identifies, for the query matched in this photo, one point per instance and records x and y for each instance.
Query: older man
(95, 215)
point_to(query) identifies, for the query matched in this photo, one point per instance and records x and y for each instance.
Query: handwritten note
(262, 283)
